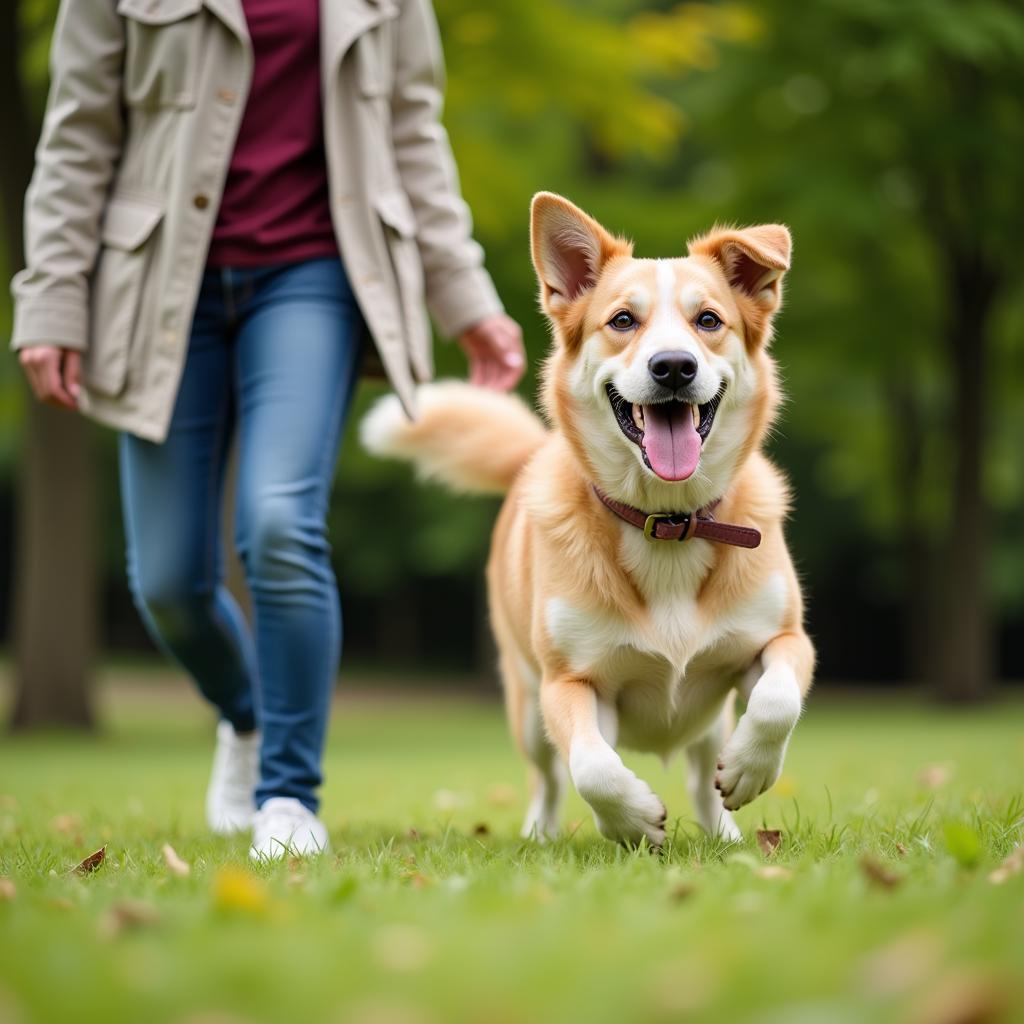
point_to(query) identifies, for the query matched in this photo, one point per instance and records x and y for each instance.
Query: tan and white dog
(625, 608)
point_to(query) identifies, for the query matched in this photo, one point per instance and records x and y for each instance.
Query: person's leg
(298, 349)
(171, 496)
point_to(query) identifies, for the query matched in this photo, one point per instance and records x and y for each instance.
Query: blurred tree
(55, 585)
(540, 96)
(890, 135)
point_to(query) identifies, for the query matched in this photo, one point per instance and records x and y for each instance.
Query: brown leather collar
(682, 525)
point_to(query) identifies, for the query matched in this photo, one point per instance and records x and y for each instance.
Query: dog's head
(659, 377)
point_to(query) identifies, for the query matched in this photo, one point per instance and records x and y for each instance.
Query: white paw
(625, 808)
(750, 764)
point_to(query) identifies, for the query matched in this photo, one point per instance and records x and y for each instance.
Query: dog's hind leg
(547, 784)
(702, 758)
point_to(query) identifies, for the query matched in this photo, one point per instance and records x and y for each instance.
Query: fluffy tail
(469, 438)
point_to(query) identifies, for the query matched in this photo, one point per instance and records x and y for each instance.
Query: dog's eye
(709, 321)
(622, 321)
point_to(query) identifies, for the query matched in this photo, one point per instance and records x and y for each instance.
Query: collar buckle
(674, 519)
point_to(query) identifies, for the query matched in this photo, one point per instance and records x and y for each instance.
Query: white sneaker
(236, 764)
(284, 826)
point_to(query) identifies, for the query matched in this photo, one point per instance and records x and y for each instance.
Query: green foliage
(963, 843)
(422, 915)
(887, 133)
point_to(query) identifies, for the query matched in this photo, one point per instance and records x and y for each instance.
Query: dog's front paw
(750, 764)
(626, 810)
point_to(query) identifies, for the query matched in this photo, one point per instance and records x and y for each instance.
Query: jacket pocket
(162, 42)
(128, 224)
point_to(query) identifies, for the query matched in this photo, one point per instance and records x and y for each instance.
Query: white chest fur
(664, 664)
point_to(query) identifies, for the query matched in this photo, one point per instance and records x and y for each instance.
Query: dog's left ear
(754, 261)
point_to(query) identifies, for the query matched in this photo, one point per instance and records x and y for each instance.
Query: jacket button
(227, 95)
(200, 201)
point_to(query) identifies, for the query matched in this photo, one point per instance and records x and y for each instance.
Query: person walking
(235, 204)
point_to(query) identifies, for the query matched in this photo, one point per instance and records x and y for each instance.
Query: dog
(638, 576)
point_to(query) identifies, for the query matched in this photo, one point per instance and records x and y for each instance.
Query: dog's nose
(673, 369)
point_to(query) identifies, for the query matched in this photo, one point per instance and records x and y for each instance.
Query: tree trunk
(965, 639)
(55, 585)
(54, 588)
(918, 585)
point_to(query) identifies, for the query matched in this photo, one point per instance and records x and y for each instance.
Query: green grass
(431, 910)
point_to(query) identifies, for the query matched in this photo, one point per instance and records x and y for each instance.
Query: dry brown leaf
(66, 824)
(92, 862)
(1013, 865)
(8, 890)
(932, 776)
(902, 965)
(681, 891)
(769, 841)
(774, 872)
(503, 795)
(962, 998)
(128, 916)
(878, 874)
(174, 863)
(901, 849)
(416, 879)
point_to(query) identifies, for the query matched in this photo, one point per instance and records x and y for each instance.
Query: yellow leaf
(235, 890)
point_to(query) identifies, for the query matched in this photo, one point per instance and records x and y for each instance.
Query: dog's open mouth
(669, 434)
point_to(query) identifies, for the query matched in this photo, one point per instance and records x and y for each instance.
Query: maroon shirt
(275, 207)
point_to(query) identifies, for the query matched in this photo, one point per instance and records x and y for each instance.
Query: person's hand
(494, 347)
(53, 374)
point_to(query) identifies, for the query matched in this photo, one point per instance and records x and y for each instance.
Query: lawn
(878, 906)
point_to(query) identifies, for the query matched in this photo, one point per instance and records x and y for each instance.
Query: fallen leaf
(401, 947)
(962, 998)
(174, 863)
(235, 890)
(963, 843)
(784, 786)
(482, 829)
(902, 965)
(932, 776)
(878, 874)
(416, 879)
(769, 840)
(681, 891)
(774, 872)
(92, 862)
(901, 849)
(66, 824)
(345, 889)
(128, 916)
(8, 890)
(1013, 865)
(447, 800)
(503, 795)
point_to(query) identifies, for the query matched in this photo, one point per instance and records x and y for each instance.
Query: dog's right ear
(569, 249)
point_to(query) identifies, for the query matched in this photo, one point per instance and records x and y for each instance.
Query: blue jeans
(274, 354)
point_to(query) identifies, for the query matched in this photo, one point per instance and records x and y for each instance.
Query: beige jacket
(145, 102)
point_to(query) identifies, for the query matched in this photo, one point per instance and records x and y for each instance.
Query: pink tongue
(670, 440)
